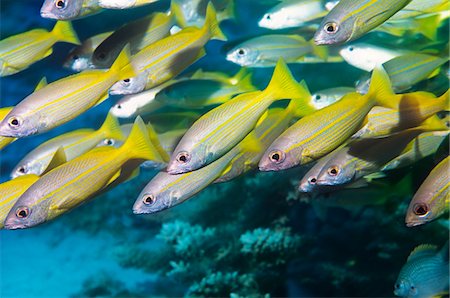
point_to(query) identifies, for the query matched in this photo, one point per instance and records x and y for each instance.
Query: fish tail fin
(42, 83)
(433, 123)
(244, 82)
(428, 25)
(111, 128)
(155, 141)
(240, 75)
(177, 12)
(64, 31)
(283, 85)
(300, 107)
(229, 12)
(122, 65)
(380, 89)
(319, 51)
(445, 100)
(212, 25)
(138, 144)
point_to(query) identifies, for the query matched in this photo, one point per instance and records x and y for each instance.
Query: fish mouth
(14, 226)
(413, 224)
(49, 15)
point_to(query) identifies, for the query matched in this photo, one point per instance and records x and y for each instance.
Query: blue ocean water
(249, 237)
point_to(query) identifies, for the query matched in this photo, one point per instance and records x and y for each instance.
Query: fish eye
(312, 180)
(14, 122)
(148, 199)
(268, 16)
(333, 171)
(397, 286)
(101, 56)
(276, 156)
(126, 81)
(119, 107)
(75, 57)
(108, 142)
(420, 209)
(183, 157)
(350, 49)
(331, 28)
(61, 4)
(241, 52)
(22, 212)
(22, 170)
(317, 97)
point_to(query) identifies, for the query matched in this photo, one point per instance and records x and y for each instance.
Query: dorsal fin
(58, 159)
(422, 250)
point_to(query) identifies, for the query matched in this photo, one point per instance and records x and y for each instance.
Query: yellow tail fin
(433, 123)
(212, 25)
(122, 66)
(284, 86)
(177, 13)
(319, 51)
(138, 145)
(380, 89)
(64, 31)
(445, 99)
(155, 141)
(111, 128)
(301, 106)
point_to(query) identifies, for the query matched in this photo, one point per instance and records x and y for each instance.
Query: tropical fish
(406, 70)
(141, 103)
(138, 34)
(73, 143)
(217, 131)
(315, 135)
(425, 273)
(166, 58)
(265, 50)
(199, 93)
(423, 145)
(80, 57)
(18, 52)
(326, 97)
(166, 190)
(63, 100)
(273, 125)
(367, 56)
(5, 141)
(432, 199)
(74, 182)
(385, 121)
(10, 191)
(364, 157)
(123, 4)
(351, 19)
(69, 9)
(294, 13)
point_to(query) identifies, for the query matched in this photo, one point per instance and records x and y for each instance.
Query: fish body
(141, 103)
(198, 93)
(80, 57)
(69, 9)
(63, 100)
(74, 182)
(418, 7)
(326, 97)
(423, 145)
(265, 50)
(425, 273)
(217, 131)
(73, 143)
(363, 157)
(293, 13)
(138, 34)
(123, 4)
(367, 56)
(18, 52)
(432, 199)
(351, 19)
(10, 191)
(166, 58)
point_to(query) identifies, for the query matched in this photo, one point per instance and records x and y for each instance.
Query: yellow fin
(445, 100)
(177, 12)
(155, 141)
(284, 86)
(422, 250)
(138, 144)
(113, 178)
(42, 83)
(48, 53)
(212, 25)
(58, 159)
(64, 31)
(122, 66)
(251, 144)
(433, 123)
(111, 128)
(427, 25)
(300, 107)
(103, 98)
(319, 51)
(242, 74)
(380, 89)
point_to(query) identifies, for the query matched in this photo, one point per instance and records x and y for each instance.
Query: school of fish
(226, 125)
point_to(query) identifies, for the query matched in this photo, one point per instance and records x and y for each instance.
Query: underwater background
(252, 236)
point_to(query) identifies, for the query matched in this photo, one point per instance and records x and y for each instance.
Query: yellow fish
(18, 52)
(11, 190)
(74, 182)
(63, 100)
(166, 58)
